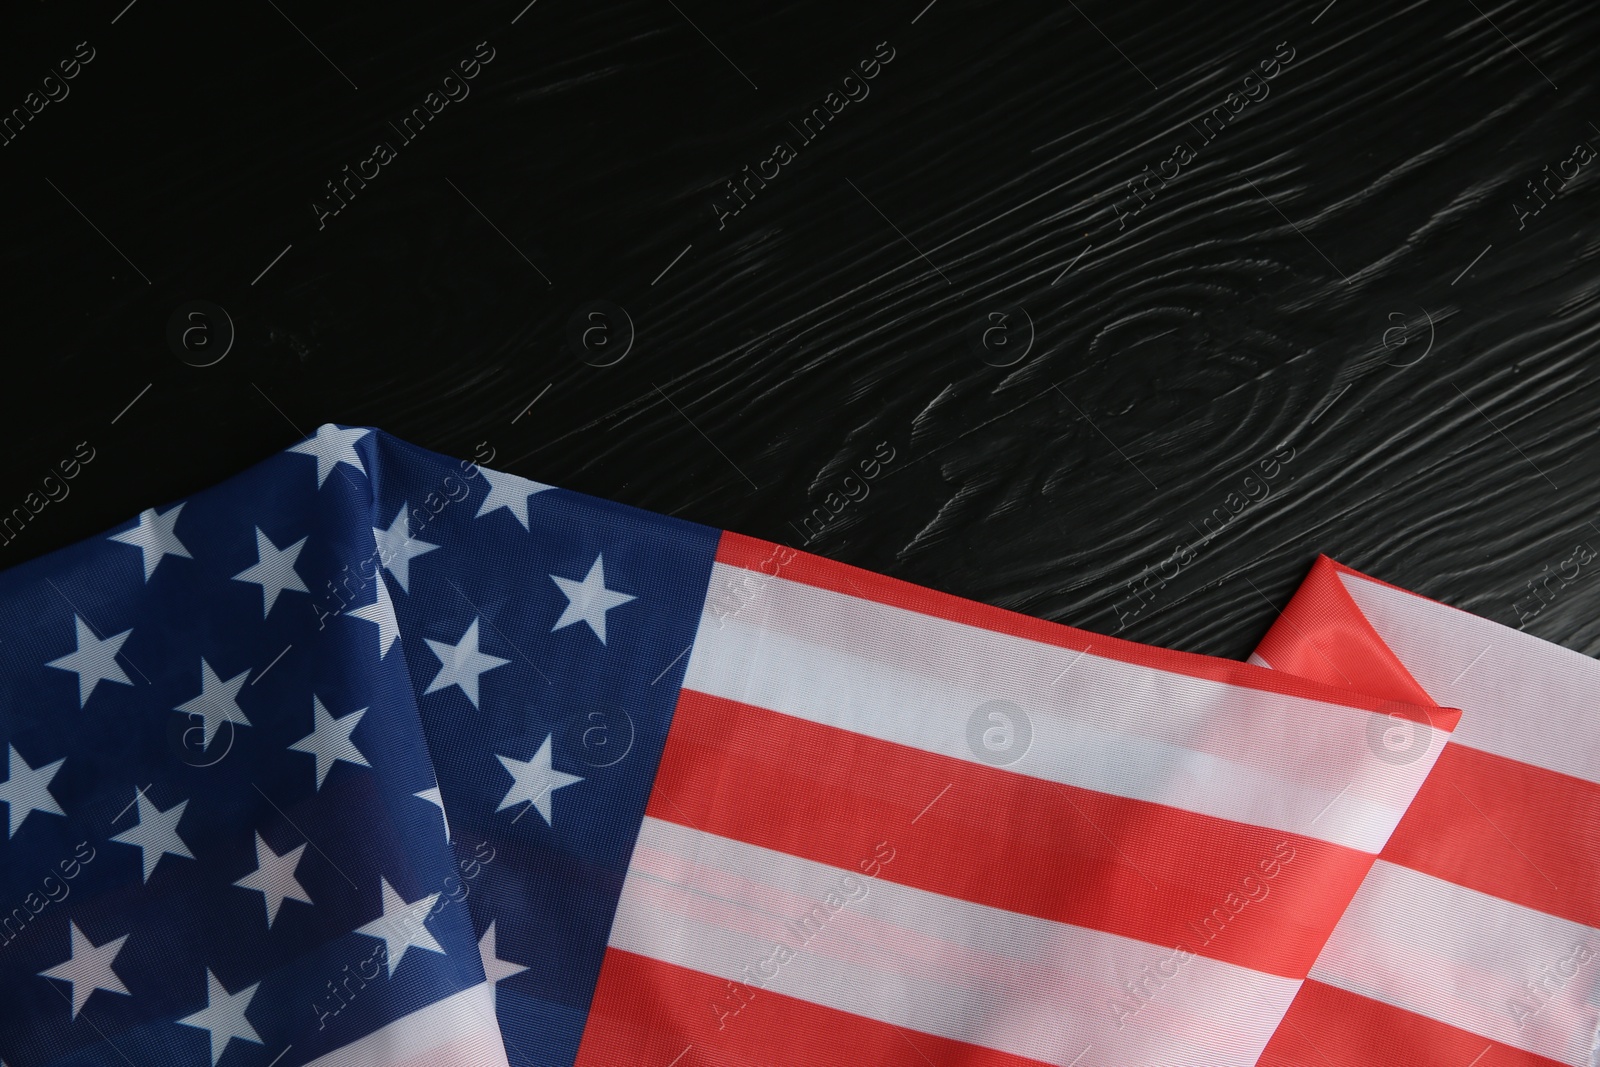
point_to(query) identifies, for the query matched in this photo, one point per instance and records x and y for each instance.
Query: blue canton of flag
(338, 762)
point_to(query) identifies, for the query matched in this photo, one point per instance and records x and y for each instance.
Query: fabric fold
(1475, 935)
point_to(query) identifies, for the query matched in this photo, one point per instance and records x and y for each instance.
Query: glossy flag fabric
(368, 756)
(1474, 939)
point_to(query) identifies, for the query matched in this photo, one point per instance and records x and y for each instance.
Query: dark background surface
(1342, 271)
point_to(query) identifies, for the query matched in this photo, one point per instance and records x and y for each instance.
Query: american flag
(1476, 937)
(371, 757)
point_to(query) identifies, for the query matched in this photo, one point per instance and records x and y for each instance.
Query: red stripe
(737, 550)
(1506, 828)
(1492, 824)
(654, 1014)
(1323, 634)
(1330, 1027)
(1005, 840)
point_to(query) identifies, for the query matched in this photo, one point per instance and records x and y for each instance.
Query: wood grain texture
(1340, 274)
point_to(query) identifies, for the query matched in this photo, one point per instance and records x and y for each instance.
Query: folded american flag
(1474, 939)
(368, 756)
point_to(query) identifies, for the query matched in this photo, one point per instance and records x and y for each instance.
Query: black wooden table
(1111, 313)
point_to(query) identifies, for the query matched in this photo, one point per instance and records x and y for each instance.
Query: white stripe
(932, 963)
(1232, 752)
(458, 1031)
(1520, 697)
(1471, 960)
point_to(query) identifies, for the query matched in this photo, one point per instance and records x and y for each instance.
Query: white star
(329, 739)
(217, 703)
(273, 571)
(156, 833)
(432, 797)
(274, 878)
(401, 925)
(88, 968)
(589, 600)
(396, 549)
(495, 968)
(94, 661)
(381, 613)
(27, 789)
(223, 1016)
(331, 446)
(534, 780)
(155, 538)
(461, 664)
(510, 492)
